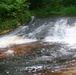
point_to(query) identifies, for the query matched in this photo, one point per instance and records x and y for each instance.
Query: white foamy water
(61, 36)
(9, 52)
(10, 40)
(63, 33)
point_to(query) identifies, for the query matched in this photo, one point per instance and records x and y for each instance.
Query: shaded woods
(53, 7)
(15, 12)
(12, 13)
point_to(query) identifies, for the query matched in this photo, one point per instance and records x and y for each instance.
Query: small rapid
(60, 34)
(7, 41)
(56, 29)
(63, 32)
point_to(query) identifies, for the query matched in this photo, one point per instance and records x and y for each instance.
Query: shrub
(13, 8)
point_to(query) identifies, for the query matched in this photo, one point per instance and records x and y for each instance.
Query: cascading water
(59, 32)
(63, 32)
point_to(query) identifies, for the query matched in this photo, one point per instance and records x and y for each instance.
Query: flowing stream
(58, 31)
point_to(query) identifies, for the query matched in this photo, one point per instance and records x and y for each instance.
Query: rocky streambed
(37, 58)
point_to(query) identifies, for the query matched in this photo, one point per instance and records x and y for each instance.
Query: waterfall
(55, 29)
(60, 34)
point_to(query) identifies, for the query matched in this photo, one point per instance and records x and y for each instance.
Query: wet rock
(29, 48)
(20, 49)
(71, 70)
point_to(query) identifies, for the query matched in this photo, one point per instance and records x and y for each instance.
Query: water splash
(10, 40)
(63, 33)
(59, 30)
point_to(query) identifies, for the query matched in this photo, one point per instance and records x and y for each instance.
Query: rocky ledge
(20, 49)
(29, 48)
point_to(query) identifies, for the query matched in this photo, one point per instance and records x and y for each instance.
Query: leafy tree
(69, 2)
(35, 4)
(13, 8)
(13, 12)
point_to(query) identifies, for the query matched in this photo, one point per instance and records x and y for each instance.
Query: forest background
(15, 12)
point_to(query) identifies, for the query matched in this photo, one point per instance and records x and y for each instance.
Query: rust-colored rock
(71, 70)
(30, 48)
(20, 49)
(46, 72)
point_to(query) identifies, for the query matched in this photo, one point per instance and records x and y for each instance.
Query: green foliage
(13, 8)
(17, 10)
(54, 7)
(69, 2)
(69, 10)
(35, 4)
(8, 24)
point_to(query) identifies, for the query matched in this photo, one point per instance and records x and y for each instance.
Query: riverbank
(10, 24)
(13, 13)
